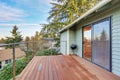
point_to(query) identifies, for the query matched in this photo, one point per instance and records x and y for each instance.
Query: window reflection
(101, 44)
(87, 42)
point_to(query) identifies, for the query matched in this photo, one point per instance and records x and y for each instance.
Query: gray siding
(72, 40)
(79, 41)
(63, 42)
(115, 23)
(76, 36)
(116, 42)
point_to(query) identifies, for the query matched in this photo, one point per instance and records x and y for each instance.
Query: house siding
(63, 43)
(72, 39)
(116, 42)
(79, 41)
(115, 33)
(114, 13)
(3, 64)
(67, 39)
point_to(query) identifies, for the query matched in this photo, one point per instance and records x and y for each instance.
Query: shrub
(7, 72)
(47, 52)
(29, 55)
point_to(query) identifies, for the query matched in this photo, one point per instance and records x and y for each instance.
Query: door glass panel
(87, 42)
(101, 44)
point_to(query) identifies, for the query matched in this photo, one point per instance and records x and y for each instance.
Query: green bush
(47, 52)
(29, 55)
(7, 72)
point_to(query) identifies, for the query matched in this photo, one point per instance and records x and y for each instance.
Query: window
(7, 61)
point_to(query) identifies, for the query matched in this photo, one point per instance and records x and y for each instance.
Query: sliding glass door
(96, 43)
(101, 44)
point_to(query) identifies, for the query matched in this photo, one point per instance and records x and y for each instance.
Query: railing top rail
(12, 44)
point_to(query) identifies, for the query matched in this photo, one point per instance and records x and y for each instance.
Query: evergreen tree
(103, 36)
(64, 12)
(15, 38)
(2, 40)
(27, 39)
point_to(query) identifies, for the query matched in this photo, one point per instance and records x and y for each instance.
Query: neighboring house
(97, 35)
(50, 42)
(6, 56)
(2, 48)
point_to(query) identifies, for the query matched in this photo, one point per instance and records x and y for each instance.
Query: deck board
(64, 68)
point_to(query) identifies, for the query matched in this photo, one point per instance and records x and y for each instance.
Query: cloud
(24, 11)
(8, 13)
(1, 25)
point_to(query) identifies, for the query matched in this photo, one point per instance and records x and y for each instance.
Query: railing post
(27, 46)
(14, 66)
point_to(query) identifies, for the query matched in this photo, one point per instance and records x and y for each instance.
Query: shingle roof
(7, 54)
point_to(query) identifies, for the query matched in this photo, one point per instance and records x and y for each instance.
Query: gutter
(99, 5)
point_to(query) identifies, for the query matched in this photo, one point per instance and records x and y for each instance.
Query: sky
(26, 14)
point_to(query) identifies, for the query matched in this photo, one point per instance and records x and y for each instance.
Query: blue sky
(26, 14)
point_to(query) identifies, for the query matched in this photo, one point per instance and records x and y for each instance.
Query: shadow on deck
(64, 68)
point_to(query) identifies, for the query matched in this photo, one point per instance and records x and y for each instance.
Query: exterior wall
(63, 43)
(79, 41)
(67, 38)
(114, 13)
(116, 42)
(68, 41)
(115, 32)
(3, 64)
(72, 40)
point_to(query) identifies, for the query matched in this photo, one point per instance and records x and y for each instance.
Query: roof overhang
(98, 6)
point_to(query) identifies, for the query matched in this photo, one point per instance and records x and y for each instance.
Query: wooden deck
(64, 68)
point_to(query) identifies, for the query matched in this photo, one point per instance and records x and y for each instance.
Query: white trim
(68, 41)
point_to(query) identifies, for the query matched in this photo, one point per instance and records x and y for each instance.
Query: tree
(16, 37)
(103, 36)
(2, 40)
(51, 30)
(35, 42)
(27, 39)
(67, 11)
(63, 12)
